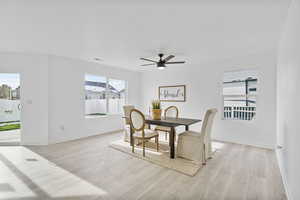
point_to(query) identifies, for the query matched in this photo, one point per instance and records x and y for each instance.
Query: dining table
(170, 122)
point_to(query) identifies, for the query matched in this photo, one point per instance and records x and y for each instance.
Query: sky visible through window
(10, 79)
(89, 77)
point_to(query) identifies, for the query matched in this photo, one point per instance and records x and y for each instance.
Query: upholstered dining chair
(137, 120)
(127, 109)
(197, 145)
(171, 111)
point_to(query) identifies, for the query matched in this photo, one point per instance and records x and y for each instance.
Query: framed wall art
(174, 93)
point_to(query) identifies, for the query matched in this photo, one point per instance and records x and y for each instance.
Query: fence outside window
(239, 112)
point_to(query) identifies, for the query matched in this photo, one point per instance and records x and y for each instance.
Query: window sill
(101, 116)
(95, 116)
(239, 120)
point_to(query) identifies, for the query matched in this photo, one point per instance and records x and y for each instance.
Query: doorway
(10, 109)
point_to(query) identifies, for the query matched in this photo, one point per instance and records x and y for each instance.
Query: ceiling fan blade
(148, 60)
(177, 62)
(148, 64)
(168, 58)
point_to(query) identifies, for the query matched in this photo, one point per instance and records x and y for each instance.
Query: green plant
(155, 104)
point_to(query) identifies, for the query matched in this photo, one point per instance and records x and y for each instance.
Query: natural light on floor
(24, 174)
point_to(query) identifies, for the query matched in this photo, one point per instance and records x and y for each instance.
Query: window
(239, 94)
(117, 95)
(103, 95)
(10, 105)
(95, 95)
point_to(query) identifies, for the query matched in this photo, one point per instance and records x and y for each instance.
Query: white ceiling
(121, 33)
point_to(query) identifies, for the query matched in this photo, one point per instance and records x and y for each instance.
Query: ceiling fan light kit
(161, 63)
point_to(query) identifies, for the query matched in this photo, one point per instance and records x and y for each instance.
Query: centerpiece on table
(156, 110)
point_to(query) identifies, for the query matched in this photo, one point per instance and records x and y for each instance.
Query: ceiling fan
(161, 63)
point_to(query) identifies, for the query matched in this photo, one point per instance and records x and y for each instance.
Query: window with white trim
(239, 95)
(104, 95)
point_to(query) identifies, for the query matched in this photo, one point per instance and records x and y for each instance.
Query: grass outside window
(10, 127)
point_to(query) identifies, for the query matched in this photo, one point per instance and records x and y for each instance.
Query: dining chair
(137, 121)
(197, 145)
(127, 109)
(171, 111)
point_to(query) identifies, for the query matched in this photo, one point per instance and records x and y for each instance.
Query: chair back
(137, 120)
(127, 109)
(171, 111)
(207, 123)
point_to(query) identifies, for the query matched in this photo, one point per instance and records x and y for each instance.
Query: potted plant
(156, 110)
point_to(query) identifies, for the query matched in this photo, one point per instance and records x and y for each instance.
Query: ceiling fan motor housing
(160, 64)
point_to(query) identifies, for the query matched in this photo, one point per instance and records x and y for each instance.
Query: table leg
(172, 143)
(186, 127)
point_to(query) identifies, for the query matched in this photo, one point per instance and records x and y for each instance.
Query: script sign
(172, 93)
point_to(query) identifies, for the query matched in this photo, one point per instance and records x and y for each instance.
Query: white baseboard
(283, 175)
(85, 137)
(33, 144)
(265, 146)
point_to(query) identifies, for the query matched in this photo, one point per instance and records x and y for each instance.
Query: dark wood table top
(171, 121)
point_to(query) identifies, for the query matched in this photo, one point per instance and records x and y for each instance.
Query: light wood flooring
(236, 172)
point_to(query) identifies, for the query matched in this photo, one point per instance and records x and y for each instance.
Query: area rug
(161, 158)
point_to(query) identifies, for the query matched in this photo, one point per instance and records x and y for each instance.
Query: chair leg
(143, 148)
(132, 145)
(209, 156)
(157, 143)
(204, 156)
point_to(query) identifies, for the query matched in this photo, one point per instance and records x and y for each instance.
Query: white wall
(204, 88)
(66, 99)
(288, 125)
(34, 94)
(52, 97)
